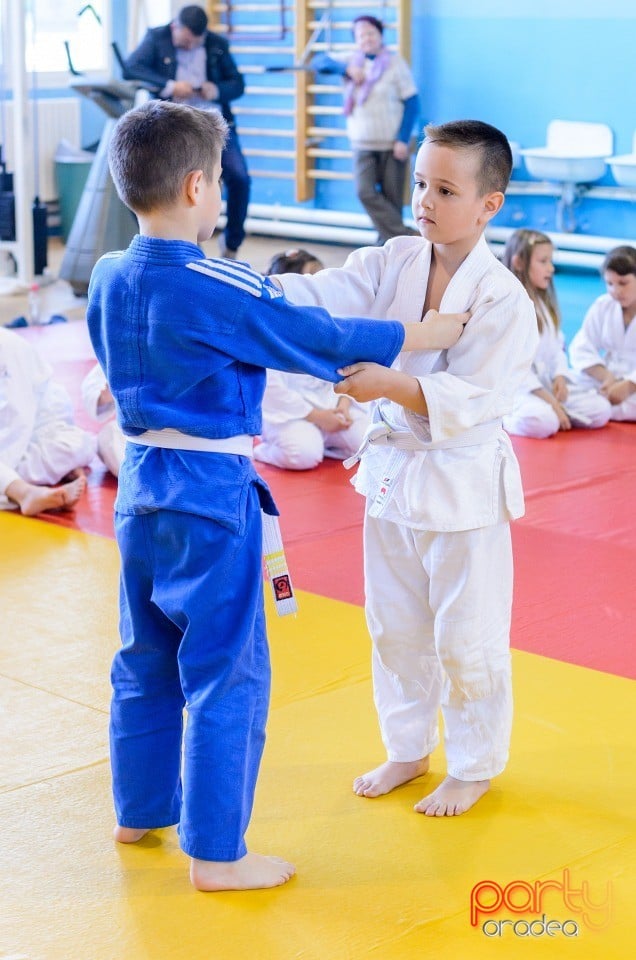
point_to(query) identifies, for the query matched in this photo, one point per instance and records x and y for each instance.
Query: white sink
(575, 152)
(624, 167)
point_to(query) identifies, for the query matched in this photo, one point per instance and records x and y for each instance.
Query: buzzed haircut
(620, 260)
(155, 146)
(495, 155)
(194, 18)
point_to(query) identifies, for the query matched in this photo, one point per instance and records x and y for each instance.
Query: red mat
(575, 550)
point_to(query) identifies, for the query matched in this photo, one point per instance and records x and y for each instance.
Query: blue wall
(521, 64)
(515, 63)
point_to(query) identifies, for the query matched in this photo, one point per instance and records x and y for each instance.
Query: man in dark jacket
(187, 63)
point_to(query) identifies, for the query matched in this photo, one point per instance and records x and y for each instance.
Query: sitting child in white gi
(303, 420)
(439, 472)
(98, 402)
(42, 452)
(604, 349)
(550, 399)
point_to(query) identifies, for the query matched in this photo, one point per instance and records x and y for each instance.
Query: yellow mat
(375, 880)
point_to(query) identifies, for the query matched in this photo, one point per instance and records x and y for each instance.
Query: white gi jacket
(38, 440)
(550, 360)
(604, 339)
(468, 388)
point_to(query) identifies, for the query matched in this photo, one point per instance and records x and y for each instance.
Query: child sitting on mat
(550, 399)
(98, 402)
(42, 452)
(184, 342)
(604, 349)
(304, 421)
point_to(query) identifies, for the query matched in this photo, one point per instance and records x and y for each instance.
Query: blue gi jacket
(184, 343)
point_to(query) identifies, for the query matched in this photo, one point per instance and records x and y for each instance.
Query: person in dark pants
(188, 63)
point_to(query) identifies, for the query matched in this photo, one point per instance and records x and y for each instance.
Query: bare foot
(128, 834)
(251, 872)
(388, 776)
(33, 499)
(452, 797)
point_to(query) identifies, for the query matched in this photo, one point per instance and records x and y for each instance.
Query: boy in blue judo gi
(184, 343)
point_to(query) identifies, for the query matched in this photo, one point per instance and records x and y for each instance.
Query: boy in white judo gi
(42, 452)
(438, 471)
(184, 342)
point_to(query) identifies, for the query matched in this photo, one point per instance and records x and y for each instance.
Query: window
(51, 23)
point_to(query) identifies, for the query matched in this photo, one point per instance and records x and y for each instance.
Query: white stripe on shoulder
(234, 272)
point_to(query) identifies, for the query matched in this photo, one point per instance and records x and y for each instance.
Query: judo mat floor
(548, 856)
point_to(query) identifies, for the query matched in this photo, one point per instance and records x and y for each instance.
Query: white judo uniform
(111, 442)
(438, 560)
(39, 442)
(531, 415)
(603, 339)
(290, 441)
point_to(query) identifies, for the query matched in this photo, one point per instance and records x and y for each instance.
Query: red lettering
(479, 904)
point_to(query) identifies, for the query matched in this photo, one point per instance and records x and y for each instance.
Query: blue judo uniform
(184, 343)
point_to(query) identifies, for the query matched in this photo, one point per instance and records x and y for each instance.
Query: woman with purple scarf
(381, 106)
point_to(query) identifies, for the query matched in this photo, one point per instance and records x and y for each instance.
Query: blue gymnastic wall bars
(517, 65)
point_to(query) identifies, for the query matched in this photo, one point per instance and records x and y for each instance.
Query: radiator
(58, 119)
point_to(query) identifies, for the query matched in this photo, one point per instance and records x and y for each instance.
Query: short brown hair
(621, 260)
(495, 154)
(155, 146)
(291, 261)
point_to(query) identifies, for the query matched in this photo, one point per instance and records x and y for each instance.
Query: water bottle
(34, 305)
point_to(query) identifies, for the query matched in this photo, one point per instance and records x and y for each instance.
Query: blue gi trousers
(193, 636)
(237, 190)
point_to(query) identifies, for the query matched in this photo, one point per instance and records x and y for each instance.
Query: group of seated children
(43, 454)
(599, 383)
(302, 422)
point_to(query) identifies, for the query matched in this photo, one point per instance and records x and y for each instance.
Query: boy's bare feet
(388, 776)
(128, 834)
(452, 797)
(251, 872)
(33, 499)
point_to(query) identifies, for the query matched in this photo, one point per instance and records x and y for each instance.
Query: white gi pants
(625, 410)
(111, 446)
(438, 607)
(55, 445)
(301, 445)
(531, 416)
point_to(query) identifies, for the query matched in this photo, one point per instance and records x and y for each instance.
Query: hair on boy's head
(194, 18)
(292, 261)
(621, 260)
(155, 146)
(367, 18)
(495, 164)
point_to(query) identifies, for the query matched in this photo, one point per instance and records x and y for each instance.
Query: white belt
(383, 435)
(403, 443)
(273, 553)
(242, 444)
